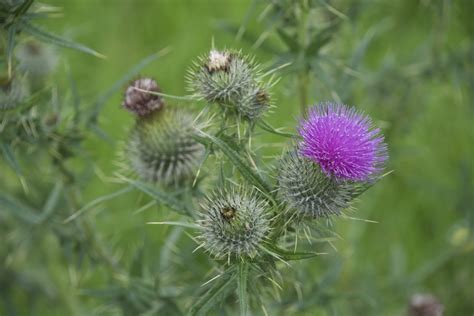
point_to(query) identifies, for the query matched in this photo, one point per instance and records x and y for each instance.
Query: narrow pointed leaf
(250, 175)
(47, 37)
(222, 287)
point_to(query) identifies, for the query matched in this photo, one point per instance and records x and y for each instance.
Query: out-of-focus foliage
(75, 243)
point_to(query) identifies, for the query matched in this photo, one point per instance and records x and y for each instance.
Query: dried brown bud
(425, 305)
(218, 61)
(140, 102)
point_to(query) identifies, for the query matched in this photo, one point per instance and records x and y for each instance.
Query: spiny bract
(309, 192)
(13, 93)
(343, 142)
(162, 148)
(235, 223)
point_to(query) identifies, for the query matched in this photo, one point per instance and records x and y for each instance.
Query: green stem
(303, 83)
(242, 288)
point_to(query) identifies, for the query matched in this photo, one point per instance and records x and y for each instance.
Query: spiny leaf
(267, 127)
(289, 255)
(96, 202)
(251, 176)
(161, 197)
(10, 46)
(47, 37)
(216, 294)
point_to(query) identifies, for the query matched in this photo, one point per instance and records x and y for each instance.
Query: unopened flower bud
(140, 102)
(235, 223)
(425, 305)
(36, 59)
(309, 192)
(162, 148)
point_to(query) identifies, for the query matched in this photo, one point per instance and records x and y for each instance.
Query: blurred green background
(408, 63)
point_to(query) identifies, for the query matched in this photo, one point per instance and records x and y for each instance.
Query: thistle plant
(243, 219)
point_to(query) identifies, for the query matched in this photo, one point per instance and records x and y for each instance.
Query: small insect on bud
(235, 223)
(252, 105)
(162, 148)
(140, 102)
(309, 192)
(425, 305)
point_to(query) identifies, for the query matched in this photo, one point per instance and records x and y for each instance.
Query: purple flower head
(343, 142)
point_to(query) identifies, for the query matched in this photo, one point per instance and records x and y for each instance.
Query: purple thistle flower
(343, 142)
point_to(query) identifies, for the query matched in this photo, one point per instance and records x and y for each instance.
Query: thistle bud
(12, 93)
(309, 192)
(425, 305)
(36, 59)
(234, 223)
(162, 149)
(142, 103)
(231, 80)
(252, 105)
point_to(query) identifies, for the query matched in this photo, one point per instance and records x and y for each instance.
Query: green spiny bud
(221, 76)
(162, 149)
(36, 59)
(232, 80)
(12, 93)
(235, 222)
(309, 192)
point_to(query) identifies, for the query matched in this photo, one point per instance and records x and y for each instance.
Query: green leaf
(267, 127)
(10, 46)
(19, 210)
(289, 255)
(250, 175)
(51, 202)
(242, 280)
(162, 197)
(97, 201)
(321, 39)
(47, 37)
(290, 41)
(216, 294)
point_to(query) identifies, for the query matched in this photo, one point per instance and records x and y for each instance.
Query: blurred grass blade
(178, 224)
(10, 47)
(215, 295)
(51, 202)
(47, 37)
(97, 201)
(19, 210)
(162, 197)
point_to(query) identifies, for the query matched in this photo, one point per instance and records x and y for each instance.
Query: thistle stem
(242, 288)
